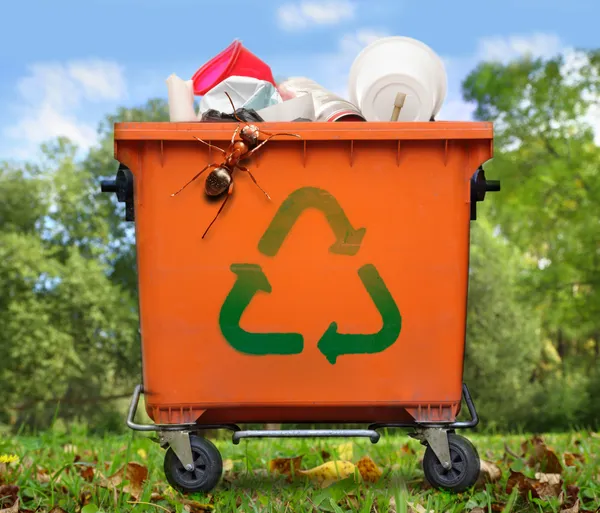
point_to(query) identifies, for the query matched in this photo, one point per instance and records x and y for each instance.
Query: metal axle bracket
(437, 439)
(179, 441)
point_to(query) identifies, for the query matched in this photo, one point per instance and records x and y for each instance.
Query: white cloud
(505, 49)
(497, 48)
(53, 98)
(352, 44)
(295, 16)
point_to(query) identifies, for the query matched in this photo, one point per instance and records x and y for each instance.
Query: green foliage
(100, 163)
(67, 331)
(22, 205)
(548, 164)
(503, 331)
(548, 210)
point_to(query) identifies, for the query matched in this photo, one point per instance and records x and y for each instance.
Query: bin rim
(310, 131)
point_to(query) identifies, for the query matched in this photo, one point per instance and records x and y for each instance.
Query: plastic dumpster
(342, 299)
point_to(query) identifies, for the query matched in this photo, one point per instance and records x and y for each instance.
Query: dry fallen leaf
(329, 472)
(407, 449)
(392, 506)
(195, 506)
(284, 465)
(552, 479)
(12, 509)
(85, 497)
(549, 487)
(573, 509)
(345, 451)
(87, 472)
(570, 504)
(540, 456)
(42, 476)
(417, 508)
(520, 481)
(133, 472)
(353, 503)
(411, 507)
(9, 496)
(547, 490)
(227, 465)
(489, 472)
(369, 471)
(571, 459)
(57, 509)
(325, 455)
(9, 491)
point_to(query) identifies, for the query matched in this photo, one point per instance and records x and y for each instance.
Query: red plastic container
(235, 60)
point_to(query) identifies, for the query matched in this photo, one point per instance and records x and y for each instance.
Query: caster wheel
(465, 465)
(206, 475)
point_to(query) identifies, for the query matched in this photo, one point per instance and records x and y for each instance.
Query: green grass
(249, 487)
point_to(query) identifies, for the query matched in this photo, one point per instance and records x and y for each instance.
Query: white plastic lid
(378, 100)
(441, 88)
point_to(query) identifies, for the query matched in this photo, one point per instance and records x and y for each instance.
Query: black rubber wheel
(465, 465)
(208, 467)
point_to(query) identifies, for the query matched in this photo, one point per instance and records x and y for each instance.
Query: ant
(220, 179)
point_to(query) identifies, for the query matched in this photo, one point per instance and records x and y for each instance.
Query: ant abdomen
(217, 182)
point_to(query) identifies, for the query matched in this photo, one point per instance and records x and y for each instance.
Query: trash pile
(392, 79)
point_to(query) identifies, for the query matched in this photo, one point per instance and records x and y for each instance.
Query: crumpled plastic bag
(248, 115)
(246, 92)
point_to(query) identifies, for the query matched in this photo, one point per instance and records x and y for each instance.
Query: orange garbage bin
(332, 287)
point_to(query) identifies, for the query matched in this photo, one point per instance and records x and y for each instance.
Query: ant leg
(242, 168)
(234, 134)
(210, 145)
(266, 141)
(207, 167)
(233, 107)
(229, 191)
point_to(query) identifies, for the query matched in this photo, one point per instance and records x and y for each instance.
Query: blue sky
(65, 63)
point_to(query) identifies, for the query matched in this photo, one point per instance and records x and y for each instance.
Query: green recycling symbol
(251, 279)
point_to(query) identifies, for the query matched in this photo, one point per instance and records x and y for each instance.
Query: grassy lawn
(80, 473)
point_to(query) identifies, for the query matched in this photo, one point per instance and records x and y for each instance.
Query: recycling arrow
(333, 344)
(348, 239)
(250, 280)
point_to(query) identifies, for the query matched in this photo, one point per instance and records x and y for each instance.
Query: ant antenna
(233, 106)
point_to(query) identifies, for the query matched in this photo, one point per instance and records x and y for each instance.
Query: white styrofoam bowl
(398, 64)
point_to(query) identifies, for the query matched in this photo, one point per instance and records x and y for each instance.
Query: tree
(503, 331)
(548, 162)
(67, 330)
(549, 165)
(68, 286)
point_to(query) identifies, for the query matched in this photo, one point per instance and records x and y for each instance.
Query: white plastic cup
(181, 99)
(393, 65)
